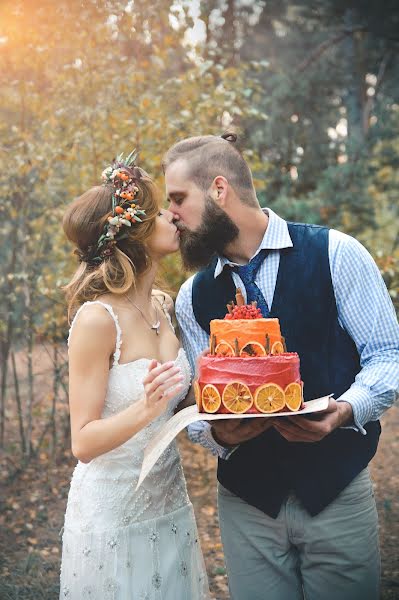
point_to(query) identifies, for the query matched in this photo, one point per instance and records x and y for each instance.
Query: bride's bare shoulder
(164, 299)
(92, 330)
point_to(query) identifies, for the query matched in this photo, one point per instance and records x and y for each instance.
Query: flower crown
(123, 175)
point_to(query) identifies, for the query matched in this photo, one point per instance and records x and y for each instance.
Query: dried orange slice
(277, 348)
(237, 397)
(210, 398)
(269, 398)
(293, 396)
(197, 394)
(252, 349)
(224, 349)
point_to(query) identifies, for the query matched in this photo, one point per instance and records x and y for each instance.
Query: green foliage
(81, 82)
(326, 69)
(69, 103)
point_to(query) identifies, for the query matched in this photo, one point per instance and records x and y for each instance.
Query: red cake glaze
(281, 369)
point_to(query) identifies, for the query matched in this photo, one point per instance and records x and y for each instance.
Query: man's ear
(219, 189)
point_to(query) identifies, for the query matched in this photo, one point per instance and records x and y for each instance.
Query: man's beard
(198, 247)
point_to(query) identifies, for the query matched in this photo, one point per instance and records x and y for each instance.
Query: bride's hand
(161, 384)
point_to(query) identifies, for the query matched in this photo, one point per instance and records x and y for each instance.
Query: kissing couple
(296, 506)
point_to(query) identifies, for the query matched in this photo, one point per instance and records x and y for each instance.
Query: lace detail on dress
(108, 307)
(121, 543)
(103, 491)
(158, 559)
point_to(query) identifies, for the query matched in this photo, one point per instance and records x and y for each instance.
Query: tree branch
(321, 48)
(371, 99)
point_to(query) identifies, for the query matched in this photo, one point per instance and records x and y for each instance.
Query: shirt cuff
(359, 399)
(216, 448)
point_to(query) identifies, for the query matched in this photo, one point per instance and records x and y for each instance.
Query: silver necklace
(155, 327)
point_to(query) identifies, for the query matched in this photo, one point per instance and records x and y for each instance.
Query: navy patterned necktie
(247, 274)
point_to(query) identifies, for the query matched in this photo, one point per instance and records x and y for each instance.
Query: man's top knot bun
(229, 137)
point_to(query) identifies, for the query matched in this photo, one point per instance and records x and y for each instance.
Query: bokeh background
(312, 89)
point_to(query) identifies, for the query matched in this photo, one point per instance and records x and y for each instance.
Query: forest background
(312, 88)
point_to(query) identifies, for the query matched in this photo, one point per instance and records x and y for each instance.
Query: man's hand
(315, 428)
(230, 432)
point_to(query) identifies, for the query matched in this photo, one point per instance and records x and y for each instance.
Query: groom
(296, 505)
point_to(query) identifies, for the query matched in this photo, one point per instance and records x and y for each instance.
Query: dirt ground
(32, 505)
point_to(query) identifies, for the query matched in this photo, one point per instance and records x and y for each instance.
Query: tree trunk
(230, 33)
(6, 341)
(353, 46)
(56, 378)
(5, 351)
(29, 406)
(19, 406)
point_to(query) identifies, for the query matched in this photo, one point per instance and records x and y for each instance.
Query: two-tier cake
(247, 369)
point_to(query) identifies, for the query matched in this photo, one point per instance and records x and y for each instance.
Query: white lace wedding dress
(119, 544)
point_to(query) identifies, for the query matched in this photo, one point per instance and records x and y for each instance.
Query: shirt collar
(276, 237)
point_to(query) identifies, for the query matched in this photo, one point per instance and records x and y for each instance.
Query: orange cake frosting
(248, 369)
(245, 331)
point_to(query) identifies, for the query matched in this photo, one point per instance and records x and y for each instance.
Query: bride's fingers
(162, 383)
(162, 399)
(162, 379)
(153, 364)
(170, 393)
(171, 382)
(155, 369)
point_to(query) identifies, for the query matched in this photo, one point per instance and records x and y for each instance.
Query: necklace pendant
(156, 327)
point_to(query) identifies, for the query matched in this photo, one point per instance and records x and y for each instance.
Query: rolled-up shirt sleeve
(195, 340)
(366, 312)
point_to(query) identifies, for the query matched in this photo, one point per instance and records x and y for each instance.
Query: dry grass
(32, 506)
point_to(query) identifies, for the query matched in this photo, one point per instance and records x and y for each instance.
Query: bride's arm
(91, 346)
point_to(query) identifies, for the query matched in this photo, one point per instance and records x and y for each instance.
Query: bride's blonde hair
(83, 224)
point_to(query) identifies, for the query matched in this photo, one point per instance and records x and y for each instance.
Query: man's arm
(228, 432)
(195, 340)
(366, 312)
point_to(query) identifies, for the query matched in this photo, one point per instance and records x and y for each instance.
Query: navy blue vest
(263, 470)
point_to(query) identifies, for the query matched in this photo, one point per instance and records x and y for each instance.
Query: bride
(127, 374)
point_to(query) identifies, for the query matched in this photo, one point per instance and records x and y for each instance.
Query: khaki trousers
(332, 556)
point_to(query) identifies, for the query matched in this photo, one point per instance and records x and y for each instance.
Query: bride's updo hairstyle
(123, 261)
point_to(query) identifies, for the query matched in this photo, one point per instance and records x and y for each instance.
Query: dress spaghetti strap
(108, 307)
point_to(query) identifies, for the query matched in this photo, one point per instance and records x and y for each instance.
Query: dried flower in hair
(123, 175)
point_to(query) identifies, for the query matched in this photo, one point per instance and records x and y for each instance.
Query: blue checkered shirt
(365, 311)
